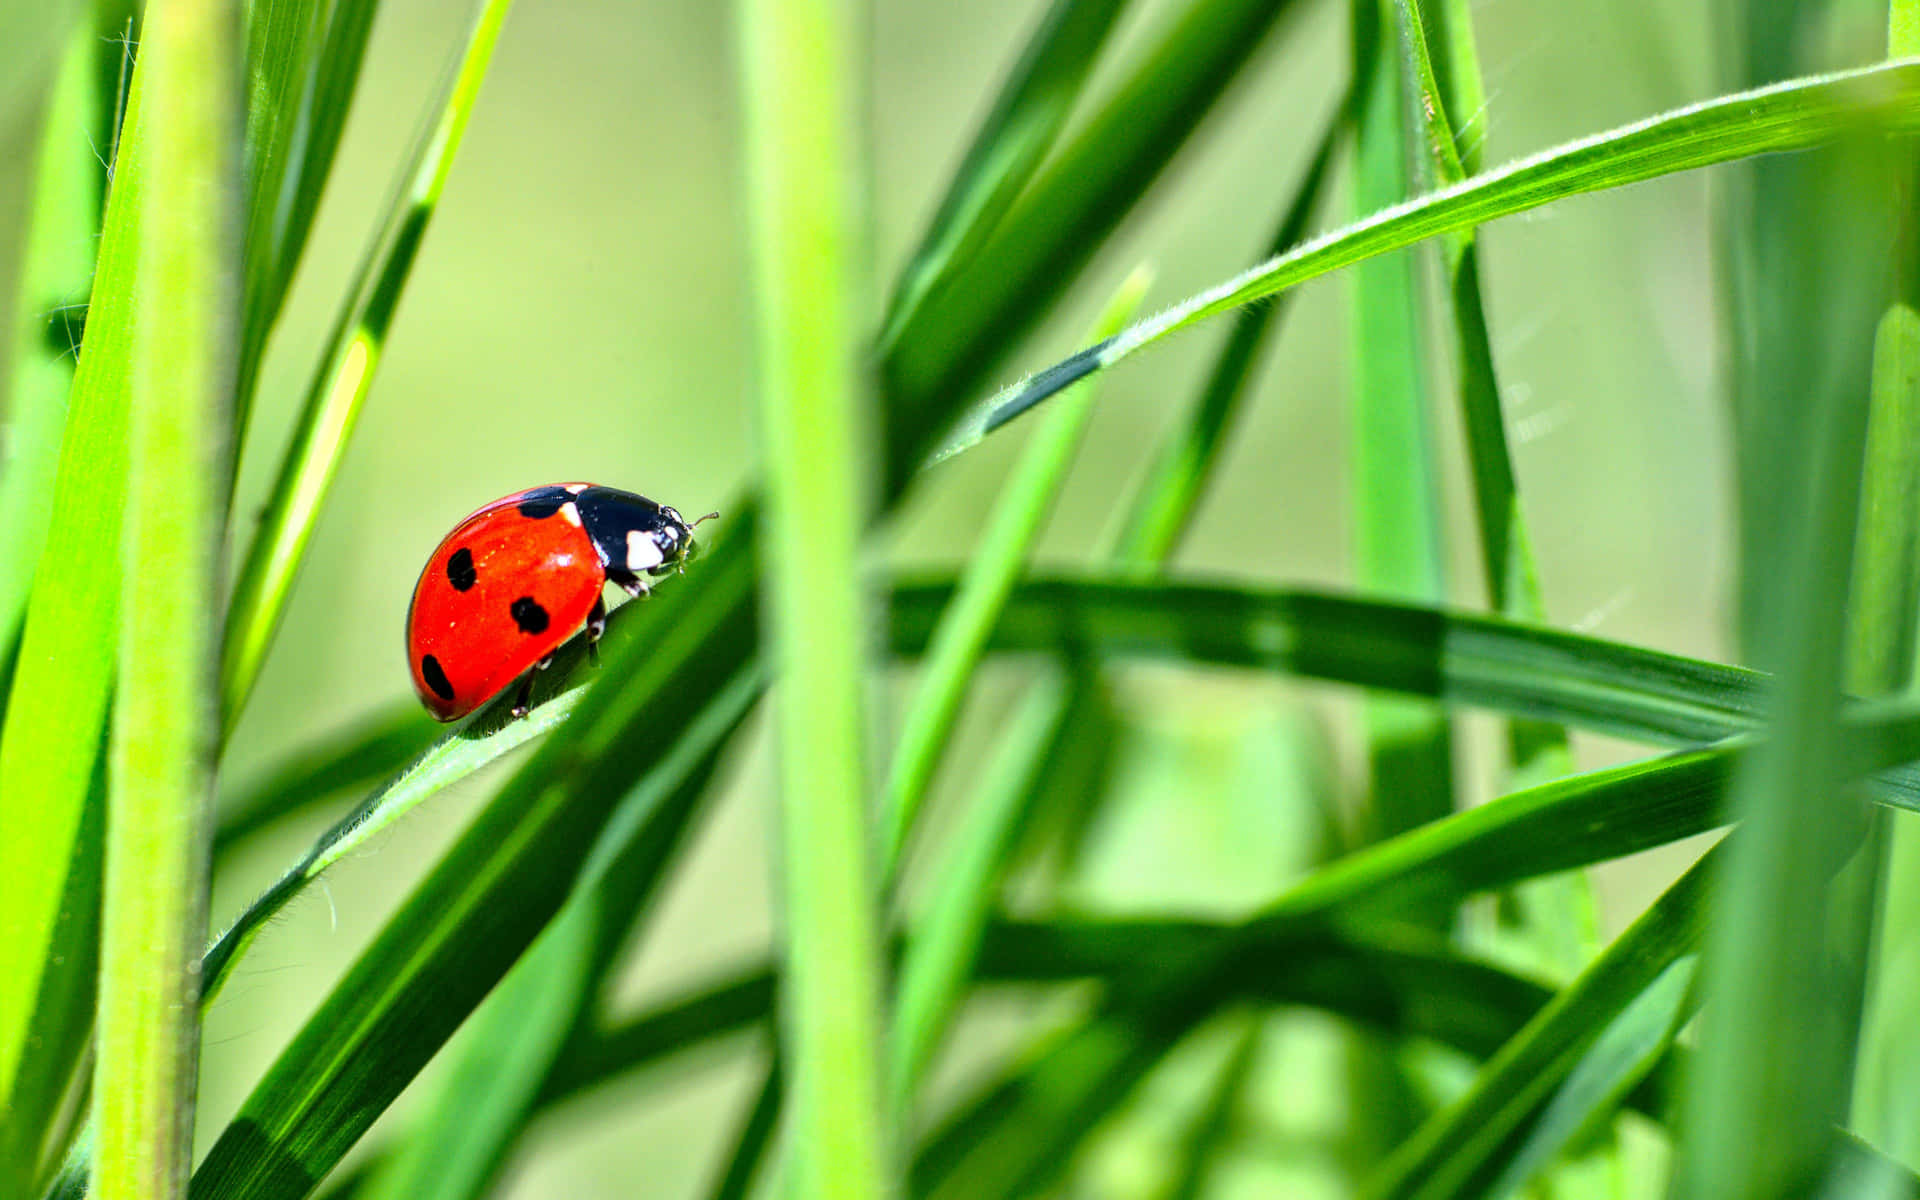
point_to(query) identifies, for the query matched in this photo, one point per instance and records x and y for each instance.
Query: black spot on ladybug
(435, 677)
(460, 572)
(528, 615)
(541, 503)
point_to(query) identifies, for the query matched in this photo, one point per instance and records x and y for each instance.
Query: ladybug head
(685, 548)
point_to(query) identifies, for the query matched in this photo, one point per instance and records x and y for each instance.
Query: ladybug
(516, 580)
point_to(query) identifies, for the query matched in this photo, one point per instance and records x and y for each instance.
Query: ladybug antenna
(712, 516)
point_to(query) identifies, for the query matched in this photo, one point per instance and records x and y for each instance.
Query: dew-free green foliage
(1026, 768)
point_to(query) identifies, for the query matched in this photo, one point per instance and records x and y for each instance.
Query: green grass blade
(1031, 110)
(56, 718)
(1759, 1105)
(345, 374)
(458, 1146)
(1172, 490)
(1395, 496)
(1454, 1153)
(492, 893)
(958, 337)
(361, 756)
(756, 1133)
(56, 275)
(1788, 116)
(282, 37)
(993, 568)
(185, 318)
(802, 96)
(1208, 1136)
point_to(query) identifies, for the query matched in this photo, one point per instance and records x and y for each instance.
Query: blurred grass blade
(993, 568)
(1621, 1057)
(1395, 497)
(345, 374)
(56, 274)
(954, 340)
(1163, 508)
(1759, 1106)
(1028, 115)
(457, 1147)
(756, 1133)
(1456, 1152)
(360, 756)
(304, 58)
(1207, 1139)
(1788, 116)
(56, 720)
(184, 322)
(491, 894)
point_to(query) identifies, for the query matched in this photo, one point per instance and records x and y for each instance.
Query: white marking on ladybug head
(643, 553)
(571, 512)
(577, 488)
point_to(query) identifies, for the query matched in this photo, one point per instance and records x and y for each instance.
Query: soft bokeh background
(578, 313)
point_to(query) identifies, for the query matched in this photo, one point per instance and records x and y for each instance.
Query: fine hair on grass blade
(160, 779)
(1794, 115)
(344, 376)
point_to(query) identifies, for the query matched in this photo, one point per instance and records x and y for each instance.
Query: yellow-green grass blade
(56, 716)
(1759, 1105)
(959, 336)
(475, 913)
(457, 1147)
(56, 275)
(344, 376)
(1795, 115)
(803, 102)
(1460, 1150)
(361, 756)
(993, 568)
(1026, 119)
(160, 782)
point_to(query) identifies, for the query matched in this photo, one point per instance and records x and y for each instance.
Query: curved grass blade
(362, 756)
(458, 1146)
(802, 96)
(1028, 115)
(185, 320)
(954, 340)
(992, 570)
(56, 719)
(495, 889)
(756, 1133)
(56, 275)
(345, 374)
(1788, 116)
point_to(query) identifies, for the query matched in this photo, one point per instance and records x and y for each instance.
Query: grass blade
(161, 778)
(56, 721)
(756, 1133)
(55, 278)
(1759, 1107)
(1788, 116)
(992, 570)
(960, 335)
(802, 94)
(345, 374)
(1031, 110)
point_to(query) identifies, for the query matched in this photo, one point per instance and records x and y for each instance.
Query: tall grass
(925, 865)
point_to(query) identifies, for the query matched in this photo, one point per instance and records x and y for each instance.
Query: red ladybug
(517, 579)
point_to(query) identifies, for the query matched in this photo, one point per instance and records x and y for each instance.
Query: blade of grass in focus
(1031, 109)
(1759, 1106)
(51, 744)
(1790, 116)
(343, 377)
(159, 816)
(803, 97)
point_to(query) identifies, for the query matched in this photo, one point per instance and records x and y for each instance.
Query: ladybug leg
(523, 701)
(596, 625)
(636, 587)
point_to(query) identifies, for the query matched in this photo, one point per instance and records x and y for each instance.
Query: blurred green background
(578, 312)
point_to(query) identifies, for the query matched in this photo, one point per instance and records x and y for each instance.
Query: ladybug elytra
(516, 580)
